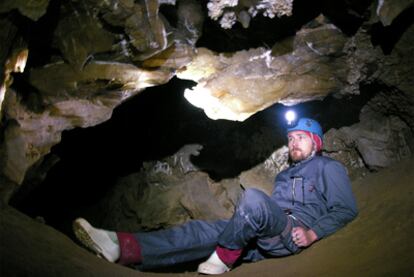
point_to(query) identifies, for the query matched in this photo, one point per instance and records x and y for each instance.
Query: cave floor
(378, 243)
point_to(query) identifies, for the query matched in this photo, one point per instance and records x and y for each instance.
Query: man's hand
(303, 237)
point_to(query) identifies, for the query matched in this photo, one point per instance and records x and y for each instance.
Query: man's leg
(190, 241)
(257, 216)
(102, 242)
(193, 240)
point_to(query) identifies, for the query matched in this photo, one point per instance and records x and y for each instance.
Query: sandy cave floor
(378, 243)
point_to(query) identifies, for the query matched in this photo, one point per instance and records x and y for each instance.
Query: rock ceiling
(90, 56)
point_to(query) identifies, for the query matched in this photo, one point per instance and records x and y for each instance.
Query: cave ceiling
(68, 64)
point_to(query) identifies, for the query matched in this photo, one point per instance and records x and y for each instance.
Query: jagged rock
(263, 175)
(174, 57)
(225, 10)
(397, 68)
(338, 145)
(172, 191)
(13, 57)
(31, 9)
(190, 20)
(96, 78)
(381, 142)
(150, 37)
(380, 139)
(165, 193)
(363, 61)
(235, 87)
(79, 36)
(388, 10)
(80, 91)
(30, 135)
(182, 157)
(71, 99)
(121, 47)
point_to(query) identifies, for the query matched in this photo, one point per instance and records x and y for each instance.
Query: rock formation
(110, 51)
(69, 64)
(87, 57)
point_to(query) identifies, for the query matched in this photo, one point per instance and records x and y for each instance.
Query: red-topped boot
(102, 242)
(220, 261)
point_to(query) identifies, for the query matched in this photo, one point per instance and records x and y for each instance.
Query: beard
(297, 155)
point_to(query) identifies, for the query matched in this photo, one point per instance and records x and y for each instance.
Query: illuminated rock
(236, 86)
(388, 10)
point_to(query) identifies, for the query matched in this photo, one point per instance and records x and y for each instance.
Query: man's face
(300, 145)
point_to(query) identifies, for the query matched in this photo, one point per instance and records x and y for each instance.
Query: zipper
(295, 178)
(293, 191)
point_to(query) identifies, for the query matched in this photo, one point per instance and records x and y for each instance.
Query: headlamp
(290, 117)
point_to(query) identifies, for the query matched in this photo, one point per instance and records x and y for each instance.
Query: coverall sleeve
(340, 201)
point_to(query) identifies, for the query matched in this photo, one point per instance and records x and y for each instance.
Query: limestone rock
(28, 137)
(165, 193)
(380, 139)
(176, 56)
(397, 68)
(172, 191)
(381, 142)
(190, 20)
(80, 36)
(237, 86)
(340, 146)
(97, 77)
(71, 98)
(225, 10)
(13, 57)
(263, 175)
(388, 10)
(32, 9)
(112, 50)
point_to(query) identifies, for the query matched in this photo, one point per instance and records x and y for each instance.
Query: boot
(102, 242)
(213, 266)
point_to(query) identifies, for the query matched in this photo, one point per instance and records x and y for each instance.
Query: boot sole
(80, 230)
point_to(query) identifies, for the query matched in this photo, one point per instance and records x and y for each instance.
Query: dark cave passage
(152, 126)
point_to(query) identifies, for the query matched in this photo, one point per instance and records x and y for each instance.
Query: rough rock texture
(32, 9)
(13, 57)
(173, 191)
(165, 193)
(94, 74)
(237, 86)
(228, 12)
(388, 10)
(100, 53)
(104, 52)
(384, 135)
(397, 67)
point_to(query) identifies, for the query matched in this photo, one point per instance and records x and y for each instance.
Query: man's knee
(263, 211)
(254, 197)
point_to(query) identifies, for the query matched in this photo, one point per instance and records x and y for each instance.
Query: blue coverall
(314, 193)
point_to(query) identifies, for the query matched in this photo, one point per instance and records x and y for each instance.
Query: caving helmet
(312, 128)
(307, 124)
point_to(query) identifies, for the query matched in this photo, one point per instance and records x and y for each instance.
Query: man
(310, 200)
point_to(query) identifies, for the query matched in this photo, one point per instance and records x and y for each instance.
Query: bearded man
(311, 200)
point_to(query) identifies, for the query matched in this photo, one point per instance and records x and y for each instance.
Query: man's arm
(340, 201)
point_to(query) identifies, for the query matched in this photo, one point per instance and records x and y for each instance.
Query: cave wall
(94, 55)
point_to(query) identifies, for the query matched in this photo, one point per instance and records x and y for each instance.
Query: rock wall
(96, 54)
